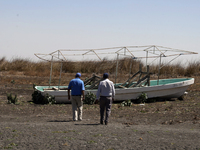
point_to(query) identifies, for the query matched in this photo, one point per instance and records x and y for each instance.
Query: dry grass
(31, 68)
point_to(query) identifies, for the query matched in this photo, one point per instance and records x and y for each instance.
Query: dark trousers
(105, 103)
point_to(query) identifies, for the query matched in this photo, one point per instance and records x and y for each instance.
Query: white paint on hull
(172, 90)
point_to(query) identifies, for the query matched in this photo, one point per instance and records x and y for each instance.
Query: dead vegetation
(42, 69)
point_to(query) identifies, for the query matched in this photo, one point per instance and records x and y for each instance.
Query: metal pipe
(116, 70)
(130, 68)
(159, 69)
(60, 75)
(146, 59)
(124, 50)
(51, 71)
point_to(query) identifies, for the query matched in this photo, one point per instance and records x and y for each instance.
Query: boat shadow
(88, 124)
(149, 100)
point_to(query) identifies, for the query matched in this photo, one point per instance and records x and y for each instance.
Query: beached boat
(133, 87)
(166, 88)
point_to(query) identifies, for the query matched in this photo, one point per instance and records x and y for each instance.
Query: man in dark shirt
(77, 96)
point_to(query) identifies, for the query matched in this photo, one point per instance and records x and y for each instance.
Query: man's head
(78, 75)
(105, 75)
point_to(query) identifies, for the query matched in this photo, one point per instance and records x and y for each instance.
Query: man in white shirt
(106, 92)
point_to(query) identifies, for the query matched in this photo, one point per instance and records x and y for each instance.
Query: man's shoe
(101, 122)
(106, 123)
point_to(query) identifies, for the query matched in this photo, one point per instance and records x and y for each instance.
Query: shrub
(126, 103)
(90, 98)
(12, 99)
(142, 98)
(38, 98)
(48, 99)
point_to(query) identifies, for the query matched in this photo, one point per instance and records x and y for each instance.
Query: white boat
(166, 88)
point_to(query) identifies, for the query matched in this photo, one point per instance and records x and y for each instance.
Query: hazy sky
(43, 26)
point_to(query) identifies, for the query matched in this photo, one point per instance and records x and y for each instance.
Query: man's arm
(83, 93)
(68, 94)
(69, 89)
(113, 92)
(98, 93)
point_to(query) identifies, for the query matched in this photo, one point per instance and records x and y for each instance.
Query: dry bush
(179, 69)
(108, 66)
(166, 70)
(17, 64)
(31, 68)
(27, 66)
(100, 66)
(124, 65)
(173, 70)
(89, 66)
(153, 69)
(69, 66)
(2, 60)
(193, 68)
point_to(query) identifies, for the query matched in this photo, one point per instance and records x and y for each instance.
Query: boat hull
(167, 88)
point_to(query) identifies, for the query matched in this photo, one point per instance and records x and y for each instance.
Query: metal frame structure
(152, 52)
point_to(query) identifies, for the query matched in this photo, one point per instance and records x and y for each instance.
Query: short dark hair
(105, 75)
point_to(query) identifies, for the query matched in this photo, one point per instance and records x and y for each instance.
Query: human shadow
(83, 124)
(60, 121)
(88, 124)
